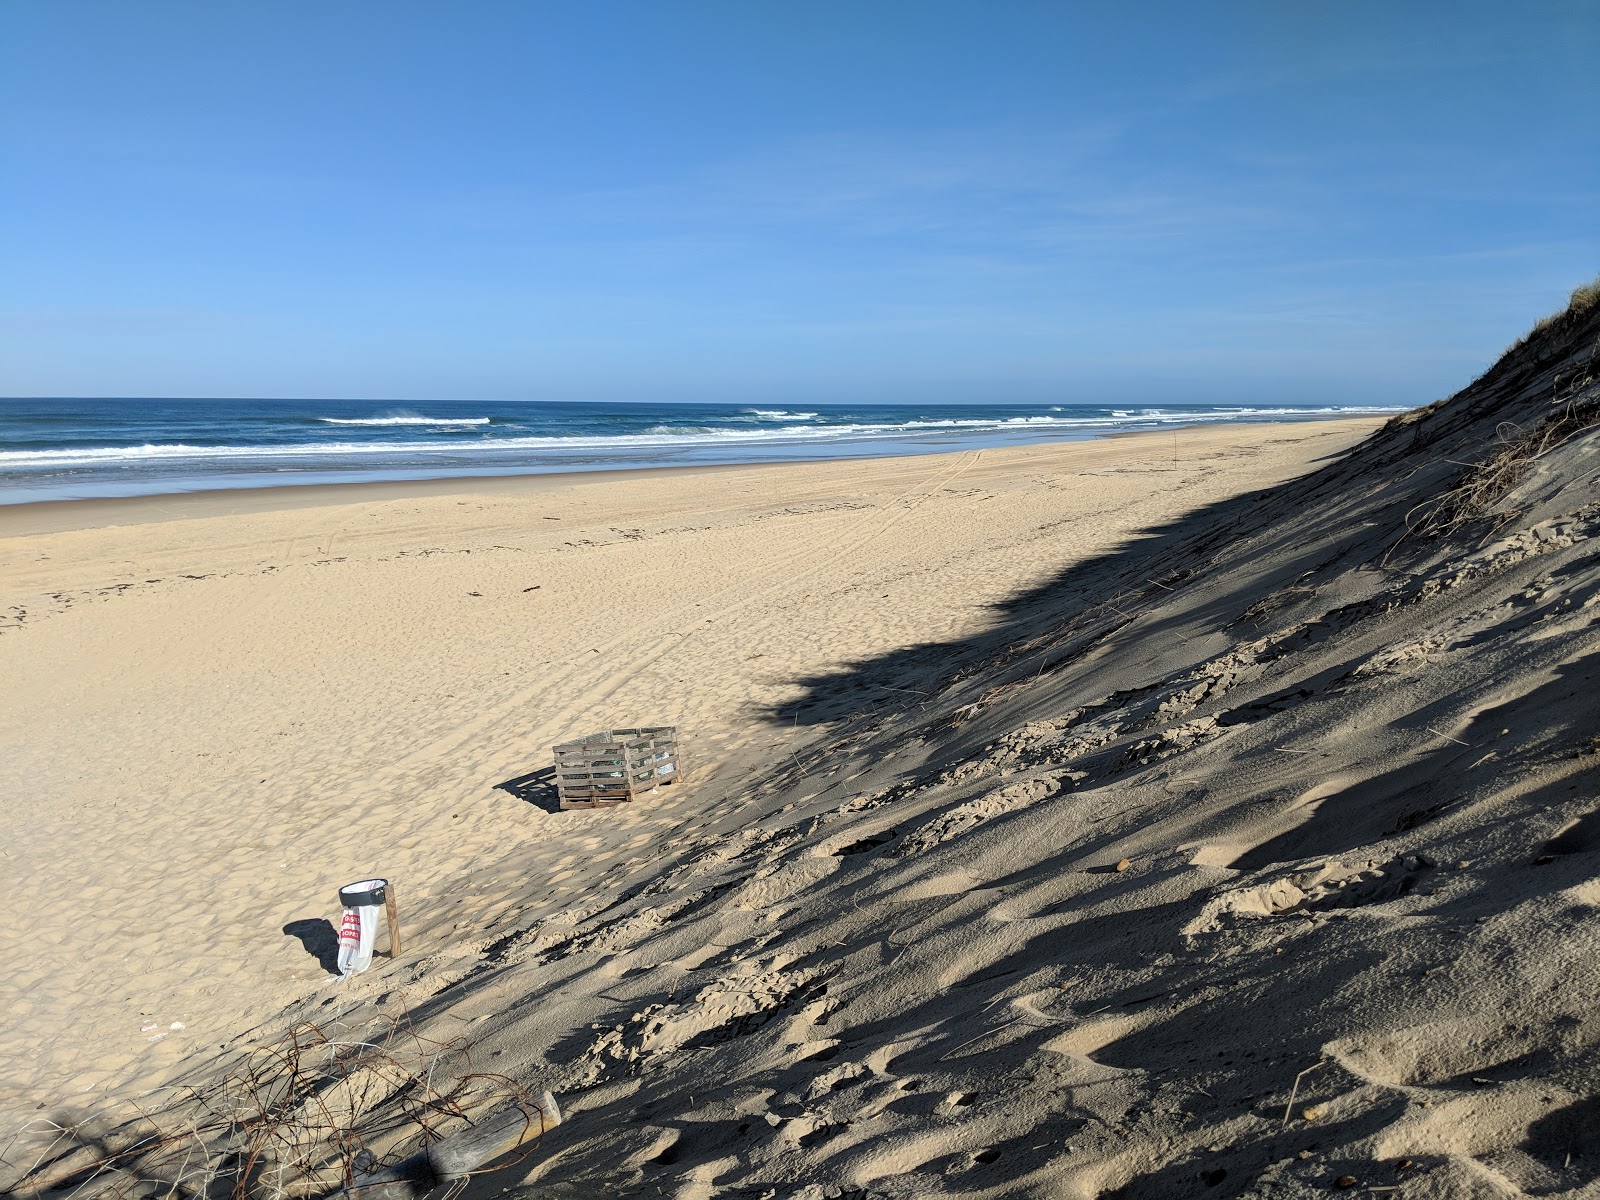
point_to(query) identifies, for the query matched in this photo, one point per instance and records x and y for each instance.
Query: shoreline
(61, 516)
(109, 449)
(34, 517)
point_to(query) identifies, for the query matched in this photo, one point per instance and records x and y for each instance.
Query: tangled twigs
(1476, 496)
(1483, 485)
(376, 1111)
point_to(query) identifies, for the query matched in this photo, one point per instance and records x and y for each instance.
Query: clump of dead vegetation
(1485, 484)
(1575, 410)
(322, 1109)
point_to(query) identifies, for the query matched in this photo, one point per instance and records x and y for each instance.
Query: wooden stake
(394, 921)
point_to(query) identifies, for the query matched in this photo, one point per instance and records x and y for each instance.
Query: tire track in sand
(654, 644)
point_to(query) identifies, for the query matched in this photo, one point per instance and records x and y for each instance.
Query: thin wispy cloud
(574, 199)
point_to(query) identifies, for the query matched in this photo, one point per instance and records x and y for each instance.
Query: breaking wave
(404, 420)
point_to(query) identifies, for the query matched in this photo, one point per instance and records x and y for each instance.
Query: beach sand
(1068, 821)
(223, 711)
(222, 707)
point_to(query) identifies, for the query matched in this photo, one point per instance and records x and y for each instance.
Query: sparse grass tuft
(1584, 298)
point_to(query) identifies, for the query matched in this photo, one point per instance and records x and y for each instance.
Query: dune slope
(1307, 781)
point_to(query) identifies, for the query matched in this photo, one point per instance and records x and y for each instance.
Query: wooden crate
(615, 766)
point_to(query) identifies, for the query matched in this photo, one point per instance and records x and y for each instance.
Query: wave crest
(404, 420)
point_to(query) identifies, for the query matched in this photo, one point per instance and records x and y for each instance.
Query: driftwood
(456, 1157)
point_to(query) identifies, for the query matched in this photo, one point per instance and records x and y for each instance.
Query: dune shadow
(1049, 625)
(320, 940)
(1561, 1145)
(1239, 566)
(1423, 790)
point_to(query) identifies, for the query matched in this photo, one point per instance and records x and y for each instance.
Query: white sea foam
(778, 414)
(404, 420)
(661, 437)
(400, 451)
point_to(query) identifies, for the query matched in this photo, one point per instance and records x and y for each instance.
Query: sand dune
(1063, 822)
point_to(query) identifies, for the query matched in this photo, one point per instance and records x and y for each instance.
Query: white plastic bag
(358, 928)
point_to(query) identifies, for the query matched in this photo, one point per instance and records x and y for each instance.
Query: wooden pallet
(616, 766)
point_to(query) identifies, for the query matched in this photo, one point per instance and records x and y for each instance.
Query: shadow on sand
(1151, 566)
(537, 788)
(320, 940)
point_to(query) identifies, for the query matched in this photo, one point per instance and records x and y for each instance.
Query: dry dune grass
(1583, 300)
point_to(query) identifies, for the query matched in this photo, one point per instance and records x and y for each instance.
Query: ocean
(55, 449)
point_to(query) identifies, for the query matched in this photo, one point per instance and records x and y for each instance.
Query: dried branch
(385, 1115)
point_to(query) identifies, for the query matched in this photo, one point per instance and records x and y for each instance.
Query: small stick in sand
(1295, 1090)
(979, 1038)
(1445, 736)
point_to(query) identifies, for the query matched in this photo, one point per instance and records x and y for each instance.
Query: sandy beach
(226, 705)
(1080, 820)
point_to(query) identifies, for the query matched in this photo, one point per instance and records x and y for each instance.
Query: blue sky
(1058, 202)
